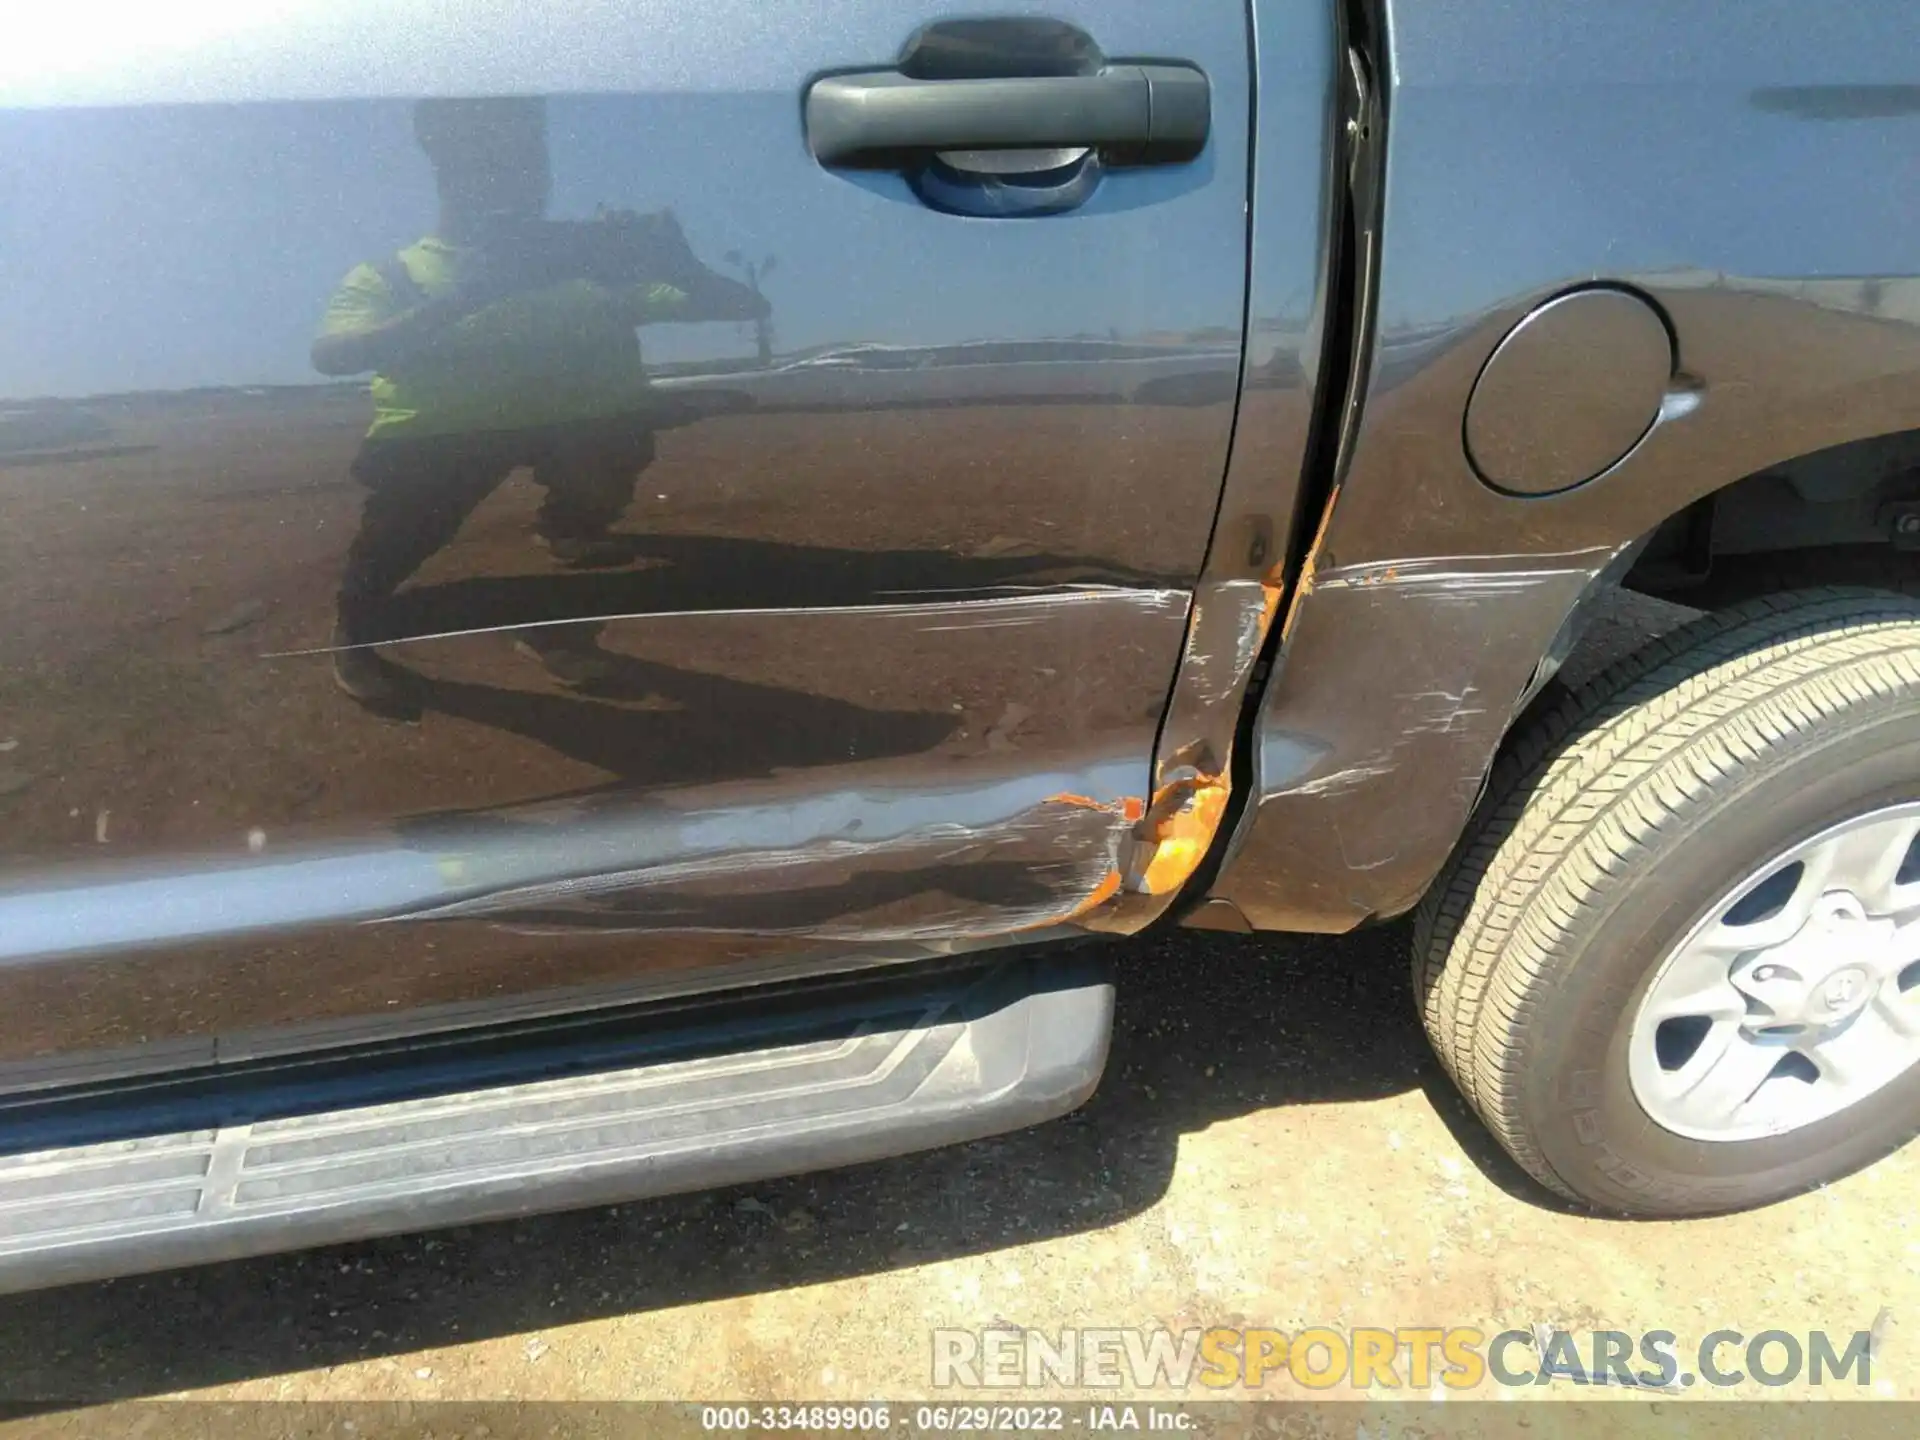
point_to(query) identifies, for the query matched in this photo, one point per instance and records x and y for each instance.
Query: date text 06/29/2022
(961, 1419)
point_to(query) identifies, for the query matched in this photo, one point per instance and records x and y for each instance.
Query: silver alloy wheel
(1797, 996)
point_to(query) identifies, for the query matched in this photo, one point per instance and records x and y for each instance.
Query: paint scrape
(1180, 828)
(1128, 807)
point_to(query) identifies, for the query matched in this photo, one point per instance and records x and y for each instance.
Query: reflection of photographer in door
(502, 340)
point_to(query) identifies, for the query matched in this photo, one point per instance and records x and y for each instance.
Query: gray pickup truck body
(1012, 553)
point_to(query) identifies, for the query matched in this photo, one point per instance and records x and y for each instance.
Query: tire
(1611, 827)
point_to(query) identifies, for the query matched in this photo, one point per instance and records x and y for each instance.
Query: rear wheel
(1675, 964)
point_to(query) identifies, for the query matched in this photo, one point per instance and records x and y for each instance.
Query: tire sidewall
(1575, 1094)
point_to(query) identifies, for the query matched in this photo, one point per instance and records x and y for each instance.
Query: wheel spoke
(1869, 1050)
(1721, 938)
(1725, 1073)
(1898, 1011)
(1903, 946)
(1839, 1061)
(1700, 989)
(1863, 861)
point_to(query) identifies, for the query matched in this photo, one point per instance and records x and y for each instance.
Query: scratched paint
(1227, 629)
(1465, 576)
(752, 796)
(1180, 838)
(1396, 684)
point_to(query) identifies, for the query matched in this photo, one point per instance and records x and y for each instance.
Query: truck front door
(497, 513)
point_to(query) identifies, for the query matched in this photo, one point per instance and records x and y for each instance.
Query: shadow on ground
(1209, 1027)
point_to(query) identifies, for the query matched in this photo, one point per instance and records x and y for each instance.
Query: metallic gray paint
(910, 564)
(921, 547)
(1754, 173)
(1570, 390)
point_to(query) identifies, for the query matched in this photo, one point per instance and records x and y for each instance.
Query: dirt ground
(1272, 1146)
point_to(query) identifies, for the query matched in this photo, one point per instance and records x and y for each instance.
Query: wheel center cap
(1842, 992)
(1826, 973)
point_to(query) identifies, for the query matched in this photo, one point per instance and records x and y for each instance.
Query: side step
(282, 1156)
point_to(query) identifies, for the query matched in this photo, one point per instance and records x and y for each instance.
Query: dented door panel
(827, 620)
(1280, 427)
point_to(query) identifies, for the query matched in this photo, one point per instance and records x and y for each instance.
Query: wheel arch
(1406, 654)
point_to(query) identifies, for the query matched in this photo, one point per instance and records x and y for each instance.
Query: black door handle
(1135, 114)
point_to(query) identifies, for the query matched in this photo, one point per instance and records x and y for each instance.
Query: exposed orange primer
(1305, 587)
(1128, 807)
(1187, 816)
(1272, 591)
